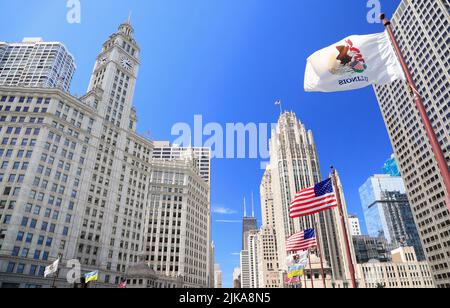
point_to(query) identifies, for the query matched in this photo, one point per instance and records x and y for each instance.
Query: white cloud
(228, 221)
(223, 210)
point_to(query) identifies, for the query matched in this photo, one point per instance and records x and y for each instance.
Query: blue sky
(228, 60)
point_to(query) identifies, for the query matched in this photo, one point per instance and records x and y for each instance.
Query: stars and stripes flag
(316, 199)
(301, 241)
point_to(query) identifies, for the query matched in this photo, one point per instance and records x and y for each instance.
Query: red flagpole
(344, 229)
(437, 150)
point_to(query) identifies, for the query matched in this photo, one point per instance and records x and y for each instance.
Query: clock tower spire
(115, 73)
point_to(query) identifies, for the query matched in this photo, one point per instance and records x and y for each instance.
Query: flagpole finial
(384, 19)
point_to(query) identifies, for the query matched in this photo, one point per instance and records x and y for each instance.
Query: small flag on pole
(316, 199)
(302, 241)
(51, 269)
(353, 63)
(297, 264)
(90, 277)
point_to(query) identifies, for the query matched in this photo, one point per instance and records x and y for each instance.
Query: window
(45, 256)
(25, 252)
(19, 236)
(32, 271)
(24, 221)
(7, 219)
(15, 251)
(20, 268)
(41, 270)
(11, 267)
(49, 241)
(29, 238)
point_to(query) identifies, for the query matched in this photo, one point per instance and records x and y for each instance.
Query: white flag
(51, 269)
(299, 259)
(355, 62)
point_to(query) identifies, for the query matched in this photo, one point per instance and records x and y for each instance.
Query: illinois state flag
(353, 63)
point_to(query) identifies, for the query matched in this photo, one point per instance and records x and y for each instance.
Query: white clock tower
(115, 73)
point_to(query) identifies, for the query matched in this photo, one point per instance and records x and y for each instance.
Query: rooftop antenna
(129, 17)
(245, 208)
(253, 206)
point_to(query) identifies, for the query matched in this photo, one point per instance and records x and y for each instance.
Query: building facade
(270, 276)
(355, 226)
(422, 30)
(245, 282)
(178, 235)
(404, 272)
(254, 259)
(294, 166)
(217, 277)
(249, 224)
(237, 278)
(388, 212)
(369, 248)
(76, 181)
(35, 63)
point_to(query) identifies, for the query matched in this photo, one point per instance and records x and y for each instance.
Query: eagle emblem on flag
(348, 60)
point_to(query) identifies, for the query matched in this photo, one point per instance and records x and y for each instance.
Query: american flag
(316, 199)
(302, 241)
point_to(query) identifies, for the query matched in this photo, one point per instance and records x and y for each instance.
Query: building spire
(253, 207)
(245, 208)
(129, 17)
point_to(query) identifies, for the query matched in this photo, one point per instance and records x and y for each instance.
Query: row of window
(27, 100)
(34, 270)
(23, 109)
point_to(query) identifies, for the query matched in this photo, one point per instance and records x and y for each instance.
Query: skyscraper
(368, 249)
(391, 167)
(355, 226)
(178, 231)
(254, 259)
(422, 30)
(35, 63)
(249, 223)
(294, 165)
(217, 277)
(388, 213)
(237, 278)
(78, 181)
(270, 274)
(202, 156)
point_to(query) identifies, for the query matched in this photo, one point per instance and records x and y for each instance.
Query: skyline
(334, 147)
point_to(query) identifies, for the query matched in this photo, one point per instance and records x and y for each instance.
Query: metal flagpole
(344, 228)
(319, 251)
(279, 103)
(304, 278)
(311, 270)
(437, 150)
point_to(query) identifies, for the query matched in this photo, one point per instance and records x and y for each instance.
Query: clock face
(126, 64)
